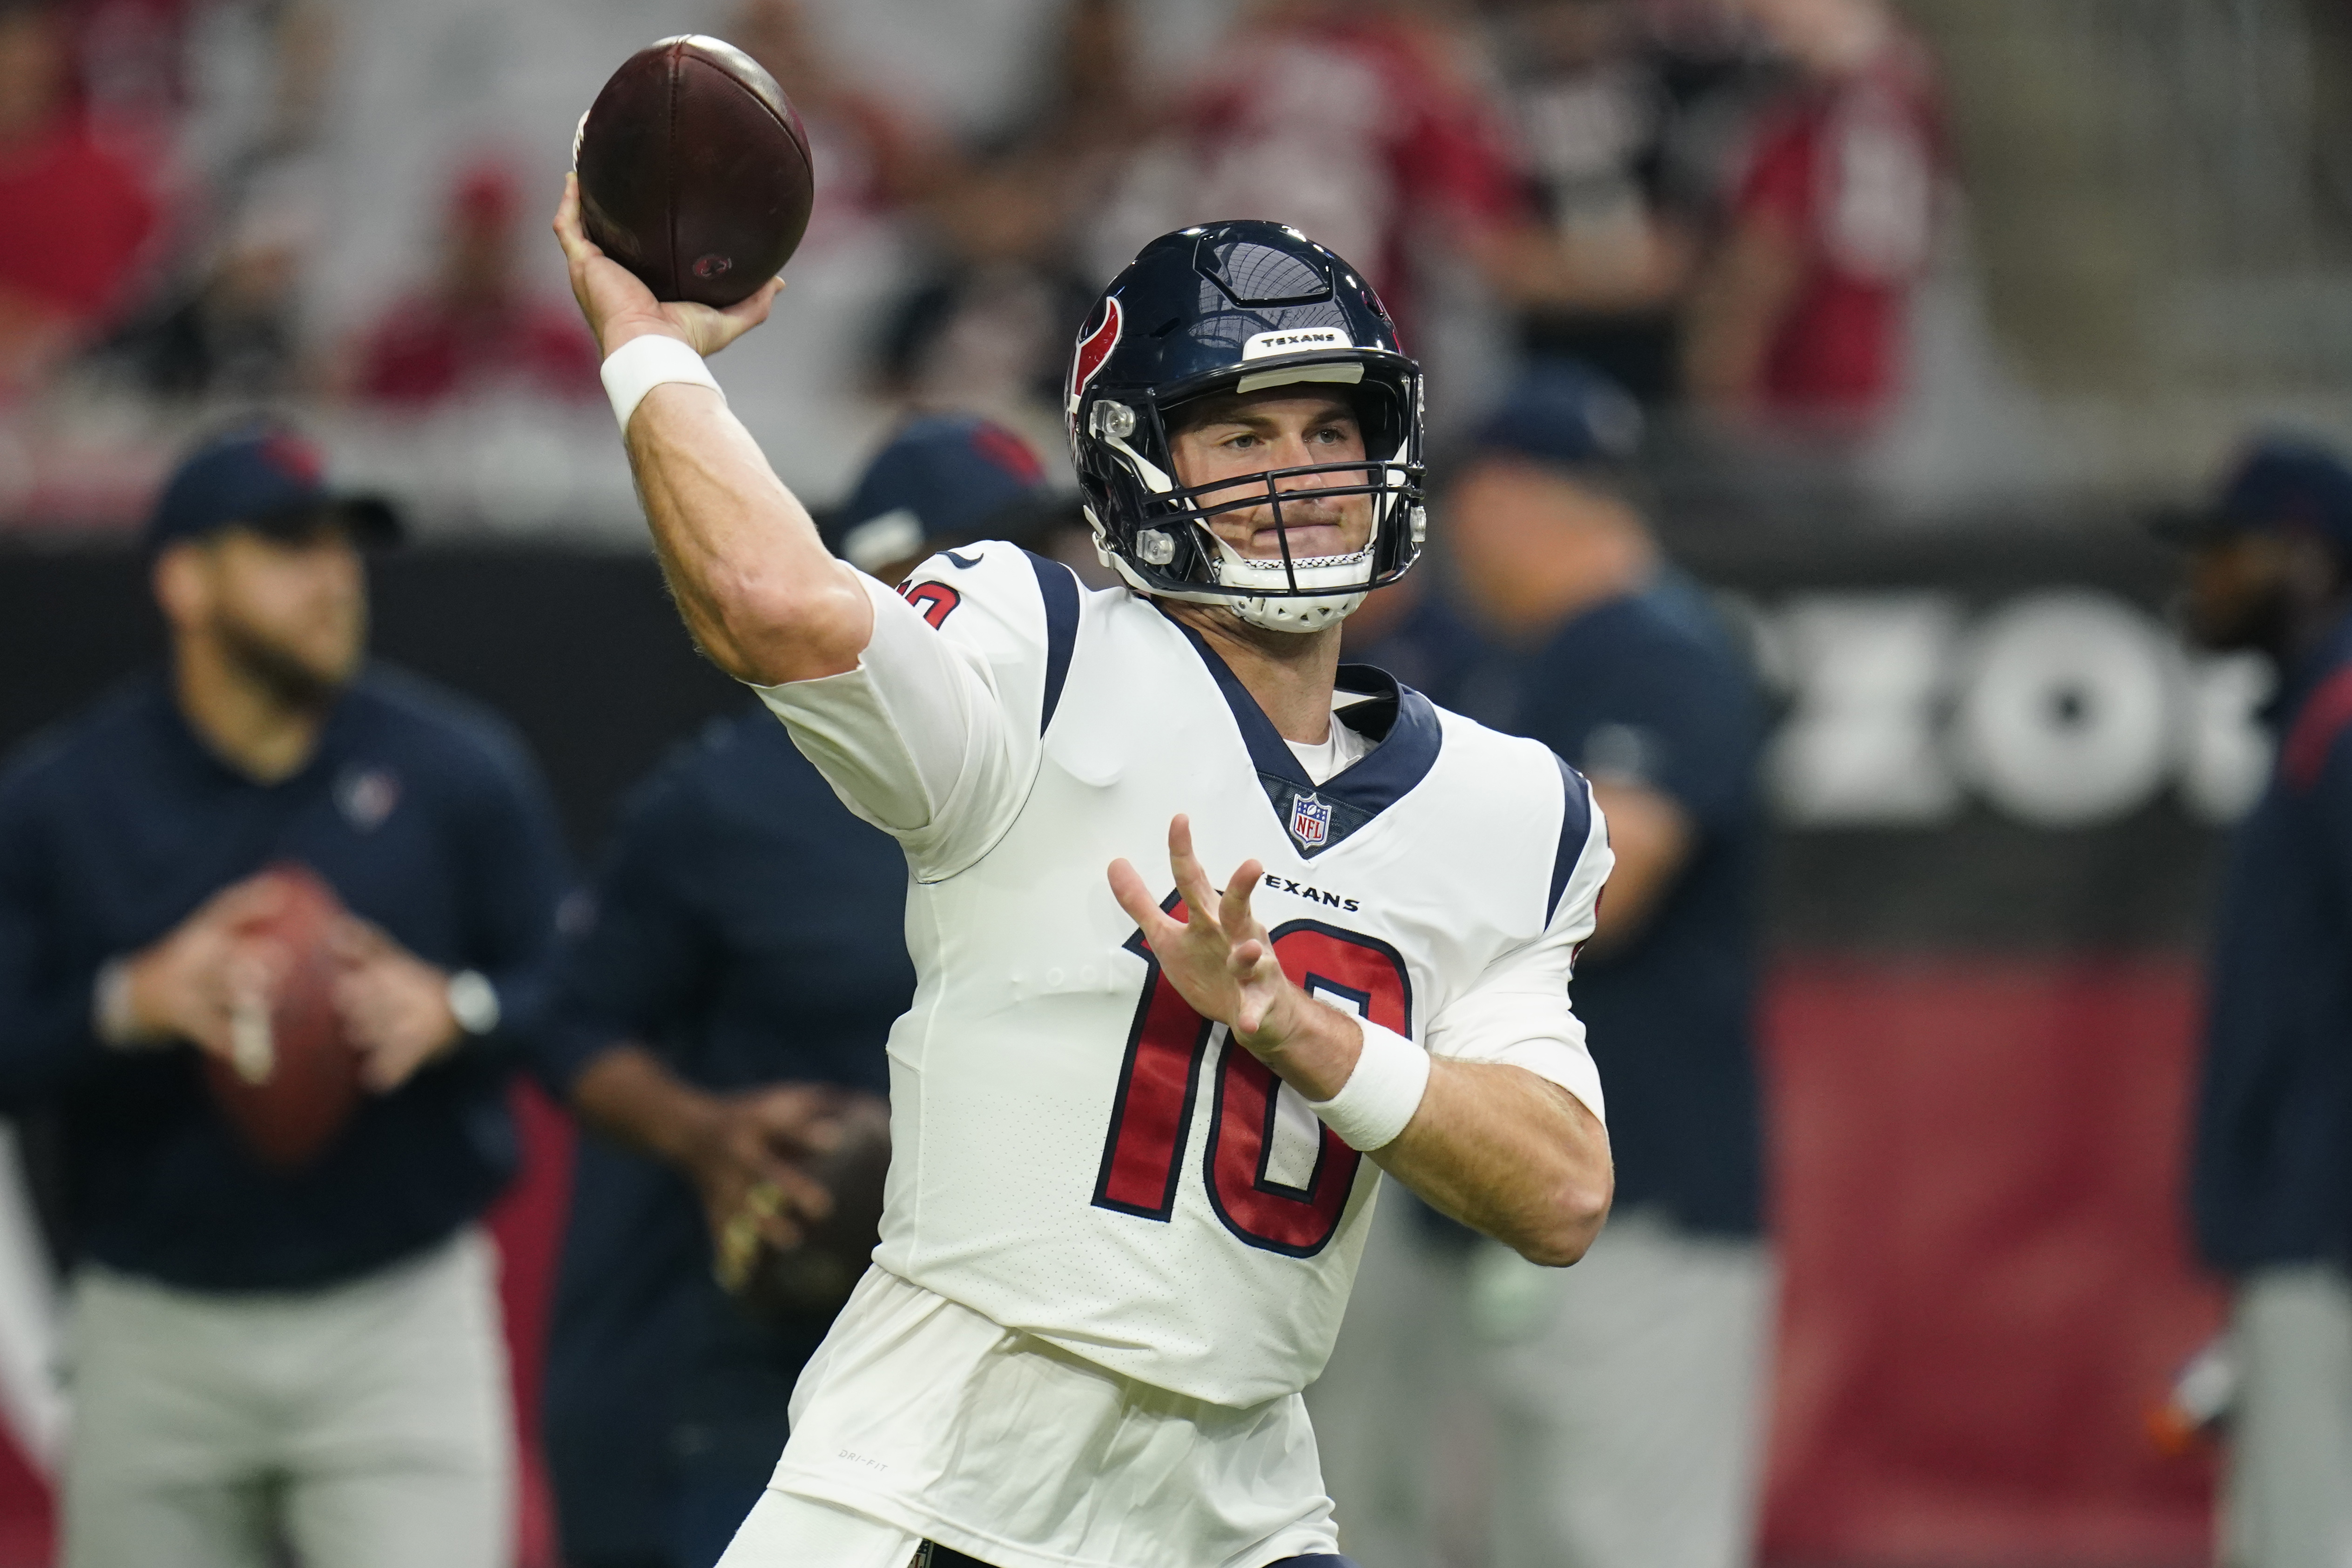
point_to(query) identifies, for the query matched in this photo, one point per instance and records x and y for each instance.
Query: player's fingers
(752, 309)
(1250, 1017)
(1191, 878)
(804, 1197)
(792, 1126)
(354, 941)
(577, 245)
(1233, 909)
(1127, 886)
(764, 1214)
(252, 970)
(383, 1069)
(247, 902)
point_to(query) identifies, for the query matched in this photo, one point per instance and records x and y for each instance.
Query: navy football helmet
(1233, 308)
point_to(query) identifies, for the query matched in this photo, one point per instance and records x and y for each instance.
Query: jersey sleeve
(937, 735)
(1518, 1013)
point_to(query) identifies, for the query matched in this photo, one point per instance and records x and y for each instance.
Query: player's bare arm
(1496, 1146)
(762, 596)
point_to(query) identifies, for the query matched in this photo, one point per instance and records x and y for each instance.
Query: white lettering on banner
(2225, 760)
(1866, 674)
(2062, 708)
(2066, 711)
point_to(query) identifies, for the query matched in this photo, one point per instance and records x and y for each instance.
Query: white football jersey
(1076, 1155)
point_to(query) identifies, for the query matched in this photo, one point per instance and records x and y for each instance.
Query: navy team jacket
(424, 814)
(744, 925)
(2272, 1179)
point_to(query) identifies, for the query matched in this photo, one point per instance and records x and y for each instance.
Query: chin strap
(1302, 614)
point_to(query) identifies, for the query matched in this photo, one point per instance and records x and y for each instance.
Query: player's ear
(181, 585)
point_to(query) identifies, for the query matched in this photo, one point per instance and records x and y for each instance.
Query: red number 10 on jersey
(1160, 1079)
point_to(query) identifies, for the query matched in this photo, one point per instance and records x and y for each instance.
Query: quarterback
(1132, 1104)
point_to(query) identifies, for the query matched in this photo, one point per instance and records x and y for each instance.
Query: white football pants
(1608, 1416)
(783, 1529)
(2288, 1496)
(366, 1424)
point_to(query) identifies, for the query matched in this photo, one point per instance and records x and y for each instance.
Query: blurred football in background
(813, 1279)
(292, 1080)
(694, 170)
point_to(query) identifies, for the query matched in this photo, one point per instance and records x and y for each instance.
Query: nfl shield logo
(1310, 821)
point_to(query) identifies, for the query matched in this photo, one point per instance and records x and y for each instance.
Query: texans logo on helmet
(1093, 350)
(1310, 821)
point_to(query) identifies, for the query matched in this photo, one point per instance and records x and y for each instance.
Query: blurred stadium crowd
(211, 205)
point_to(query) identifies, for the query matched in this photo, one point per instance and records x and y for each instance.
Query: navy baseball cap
(267, 478)
(1564, 414)
(944, 480)
(2280, 483)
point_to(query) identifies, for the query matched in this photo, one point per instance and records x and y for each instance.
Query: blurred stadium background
(1998, 780)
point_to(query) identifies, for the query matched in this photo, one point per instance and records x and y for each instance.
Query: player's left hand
(394, 1006)
(1218, 956)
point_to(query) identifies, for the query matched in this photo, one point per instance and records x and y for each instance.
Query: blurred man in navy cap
(723, 1016)
(269, 1359)
(1628, 1391)
(2270, 570)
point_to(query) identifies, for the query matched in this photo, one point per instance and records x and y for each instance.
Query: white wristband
(641, 364)
(1381, 1094)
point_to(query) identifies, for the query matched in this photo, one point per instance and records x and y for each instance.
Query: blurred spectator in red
(133, 67)
(1799, 318)
(1623, 115)
(471, 332)
(1360, 123)
(74, 218)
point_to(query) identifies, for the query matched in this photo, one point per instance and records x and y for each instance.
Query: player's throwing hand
(619, 307)
(1218, 956)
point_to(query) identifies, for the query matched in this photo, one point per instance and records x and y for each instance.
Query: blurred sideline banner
(2000, 786)
(1977, 1163)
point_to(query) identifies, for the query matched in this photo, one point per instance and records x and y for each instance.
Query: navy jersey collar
(1401, 724)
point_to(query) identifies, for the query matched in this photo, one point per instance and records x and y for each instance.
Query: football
(694, 171)
(816, 1278)
(291, 1081)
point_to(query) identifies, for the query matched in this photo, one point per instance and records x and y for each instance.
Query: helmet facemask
(1168, 547)
(1231, 308)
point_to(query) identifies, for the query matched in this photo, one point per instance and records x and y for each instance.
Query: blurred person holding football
(1631, 1393)
(76, 217)
(279, 1127)
(721, 1010)
(2270, 571)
